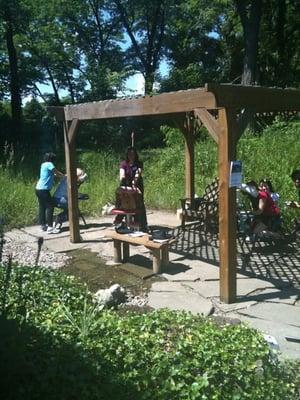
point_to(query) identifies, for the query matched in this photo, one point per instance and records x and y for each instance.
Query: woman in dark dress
(131, 177)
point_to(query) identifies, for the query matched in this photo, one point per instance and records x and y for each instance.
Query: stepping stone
(180, 301)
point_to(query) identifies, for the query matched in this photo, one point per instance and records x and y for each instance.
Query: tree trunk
(70, 85)
(15, 91)
(250, 20)
(280, 26)
(149, 80)
(250, 15)
(56, 95)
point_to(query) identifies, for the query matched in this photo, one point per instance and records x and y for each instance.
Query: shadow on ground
(279, 264)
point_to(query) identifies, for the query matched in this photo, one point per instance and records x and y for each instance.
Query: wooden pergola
(220, 108)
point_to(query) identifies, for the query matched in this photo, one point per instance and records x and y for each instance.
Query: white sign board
(235, 179)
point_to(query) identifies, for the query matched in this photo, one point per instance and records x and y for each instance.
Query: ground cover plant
(55, 343)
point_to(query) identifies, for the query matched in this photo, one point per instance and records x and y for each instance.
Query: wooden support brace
(187, 128)
(210, 123)
(72, 130)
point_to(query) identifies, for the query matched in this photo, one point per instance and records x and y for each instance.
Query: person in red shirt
(268, 210)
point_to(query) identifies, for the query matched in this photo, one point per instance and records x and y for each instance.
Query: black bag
(123, 229)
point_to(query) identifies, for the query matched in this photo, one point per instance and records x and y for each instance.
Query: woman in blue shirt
(42, 190)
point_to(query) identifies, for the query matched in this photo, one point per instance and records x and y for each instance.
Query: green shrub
(56, 340)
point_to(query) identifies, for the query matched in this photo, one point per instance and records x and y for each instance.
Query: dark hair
(295, 174)
(252, 183)
(49, 157)
(268, 182)
(129, 149)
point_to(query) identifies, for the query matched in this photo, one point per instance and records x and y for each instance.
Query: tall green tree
(95, 31)
(279, 50)
(145, 23)
(250, 12)
(193, 44)
(12, 20)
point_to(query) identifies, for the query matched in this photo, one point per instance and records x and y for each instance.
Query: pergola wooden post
(215, 106)
(70, 155)
(227, 206)
(186, 126)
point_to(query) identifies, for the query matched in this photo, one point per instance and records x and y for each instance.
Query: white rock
(111, 297)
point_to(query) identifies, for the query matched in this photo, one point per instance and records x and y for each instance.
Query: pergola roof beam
(255, 97)
(165, 103)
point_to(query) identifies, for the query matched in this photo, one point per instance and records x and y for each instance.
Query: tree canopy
(68, 52)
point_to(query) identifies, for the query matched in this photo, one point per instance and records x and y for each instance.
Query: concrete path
(268, 280)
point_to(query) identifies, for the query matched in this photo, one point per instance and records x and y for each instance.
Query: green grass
(273, 154)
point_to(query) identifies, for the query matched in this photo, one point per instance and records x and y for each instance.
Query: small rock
(111, 297)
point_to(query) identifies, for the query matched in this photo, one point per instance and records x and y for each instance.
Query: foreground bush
(56, 344)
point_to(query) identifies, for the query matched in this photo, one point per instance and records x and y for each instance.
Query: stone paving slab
(245, 287)
(168, 287)
(280, 313)
(162, 218)
(19, 235)
(139, 271)
(60, 246)
(95, 235)
(178, 272)
(180, 301)
(228, 308)
(206, 289)
(198, 270)
(275, 295)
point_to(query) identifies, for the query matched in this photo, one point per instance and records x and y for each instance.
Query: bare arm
(295, 204)
(58, 173)
(261, 207)
(122, 173)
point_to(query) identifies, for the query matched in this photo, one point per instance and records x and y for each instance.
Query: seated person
(60, 198)
(131, 177)
(275, 195)
(267, 208)
(264, 207)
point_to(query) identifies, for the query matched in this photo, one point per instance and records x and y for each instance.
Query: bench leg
(117, 251)
(156, 261)
(165, 256)
(125, 251)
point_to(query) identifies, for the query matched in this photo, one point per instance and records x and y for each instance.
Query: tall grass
(273, 154)
(18, 206)
(103, 176)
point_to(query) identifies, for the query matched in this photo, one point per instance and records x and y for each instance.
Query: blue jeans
(62, 216)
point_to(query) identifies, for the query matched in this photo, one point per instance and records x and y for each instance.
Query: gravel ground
(23, 254)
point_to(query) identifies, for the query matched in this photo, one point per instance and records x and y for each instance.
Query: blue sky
(134, 84)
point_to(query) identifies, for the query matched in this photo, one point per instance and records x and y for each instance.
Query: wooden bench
(160, 251)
